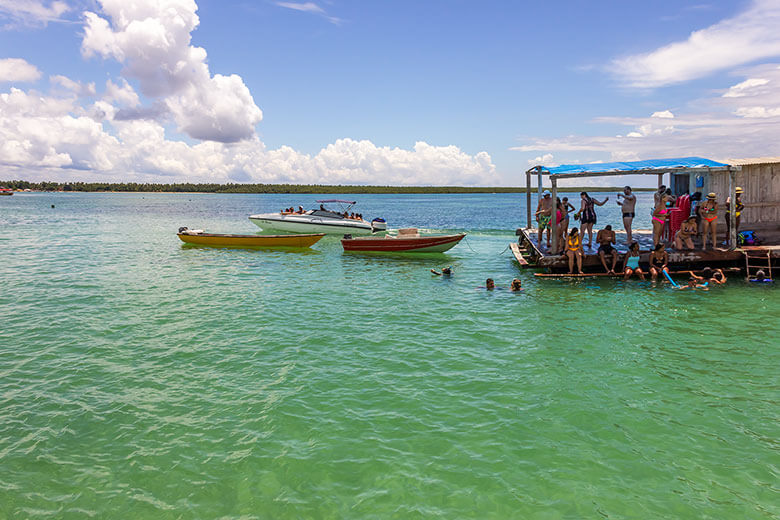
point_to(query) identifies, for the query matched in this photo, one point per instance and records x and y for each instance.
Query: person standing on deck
(657, 196)
(567, 208)
(544, 215)
(709, 215)
(628, 205)
(738, 210)
(588, 215)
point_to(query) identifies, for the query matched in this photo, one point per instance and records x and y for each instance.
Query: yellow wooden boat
(201, 238)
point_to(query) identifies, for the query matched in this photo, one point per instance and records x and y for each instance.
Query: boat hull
(429, 244)
(264, 241)
(291, 224)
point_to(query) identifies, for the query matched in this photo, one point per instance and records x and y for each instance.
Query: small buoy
(52, 205)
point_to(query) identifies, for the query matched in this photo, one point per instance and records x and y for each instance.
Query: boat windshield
(325, 213)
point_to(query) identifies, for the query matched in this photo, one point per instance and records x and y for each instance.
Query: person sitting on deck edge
(631, 262)
(683, 239)
(659, 260)
(574, 250)
(544, 215)
(605, 238)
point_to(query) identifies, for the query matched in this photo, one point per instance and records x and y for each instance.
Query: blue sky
(357, 92)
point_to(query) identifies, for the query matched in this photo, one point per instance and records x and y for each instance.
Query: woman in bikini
(567, 208)
(574, 250)
(631, 262)
(661, 214)
(659, 259)
(709, 213)
(684, 237)
(588, 215)
(560, 226)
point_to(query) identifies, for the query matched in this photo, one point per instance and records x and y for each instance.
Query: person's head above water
(706, 273)
(516, 284)
(446, 270)
(489, 284)
(760, 275)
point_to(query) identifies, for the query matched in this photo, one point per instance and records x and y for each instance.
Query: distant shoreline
(102, 187)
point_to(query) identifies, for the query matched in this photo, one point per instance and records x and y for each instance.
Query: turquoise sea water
(140, 378)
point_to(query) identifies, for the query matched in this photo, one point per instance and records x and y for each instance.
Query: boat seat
(408, 233)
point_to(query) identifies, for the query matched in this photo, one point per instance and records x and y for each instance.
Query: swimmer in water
(490, 284)
(446, 271)
(693, 284)
(516, 285)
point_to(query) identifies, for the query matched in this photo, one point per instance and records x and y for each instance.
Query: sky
(448, 92)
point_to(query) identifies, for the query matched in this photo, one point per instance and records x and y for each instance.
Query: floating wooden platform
(620, 275)
(530, 254)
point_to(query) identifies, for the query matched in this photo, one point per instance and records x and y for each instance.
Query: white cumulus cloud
(152, 39)
(18, 70)
(745, 38)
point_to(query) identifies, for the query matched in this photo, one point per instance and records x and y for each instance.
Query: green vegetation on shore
(187, 187)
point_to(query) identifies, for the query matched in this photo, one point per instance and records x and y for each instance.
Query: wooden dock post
(554, 219)
(528, 199)
(732, 238)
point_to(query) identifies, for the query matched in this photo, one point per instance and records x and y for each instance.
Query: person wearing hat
(544, 215)
(709, 215)
(738, 212)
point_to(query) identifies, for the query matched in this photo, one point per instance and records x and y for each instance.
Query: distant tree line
(188, 187)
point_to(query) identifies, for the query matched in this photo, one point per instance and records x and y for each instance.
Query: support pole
(528, 199)
(733, 209)
(660, 179)
(539, 182)
(554, 219)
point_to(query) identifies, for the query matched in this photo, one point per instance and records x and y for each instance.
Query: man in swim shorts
(544, 215)
(628, 205)
(605, 239)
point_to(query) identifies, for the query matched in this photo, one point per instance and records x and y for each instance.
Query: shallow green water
(143, 379)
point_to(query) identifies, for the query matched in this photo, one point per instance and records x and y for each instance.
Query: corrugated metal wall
(761, 183)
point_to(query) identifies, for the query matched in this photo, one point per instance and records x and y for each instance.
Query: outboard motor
(347, 237)
(378, 224)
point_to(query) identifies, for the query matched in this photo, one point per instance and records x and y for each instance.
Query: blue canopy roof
(635, 166)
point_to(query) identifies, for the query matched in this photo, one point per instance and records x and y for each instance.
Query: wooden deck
(529, 253)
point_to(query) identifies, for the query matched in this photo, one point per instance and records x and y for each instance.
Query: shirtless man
(605, 239)
(544, 215)
(628, 205)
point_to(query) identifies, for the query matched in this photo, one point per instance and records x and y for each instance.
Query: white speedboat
(322, 220)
